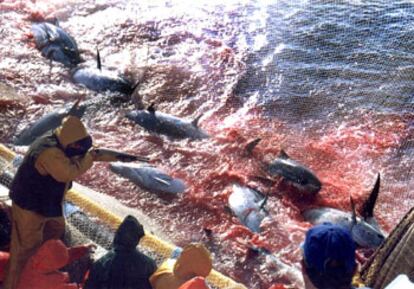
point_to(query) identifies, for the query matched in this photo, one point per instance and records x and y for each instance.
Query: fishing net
(394, 257)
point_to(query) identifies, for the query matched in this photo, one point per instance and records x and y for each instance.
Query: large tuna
(161, 123)
(149, 178)
(296, 173)
(100, 80)
(365, 231)
(248, 206)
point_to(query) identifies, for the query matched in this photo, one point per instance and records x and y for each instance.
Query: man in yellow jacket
(52, 162)
(194, 260)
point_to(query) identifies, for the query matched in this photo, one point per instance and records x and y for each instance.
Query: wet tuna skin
(302, 177)
(149, 178)
(56, 44)
(165, 124)
(364, 234)
(102, 80)
(246, 204)
(46, 123)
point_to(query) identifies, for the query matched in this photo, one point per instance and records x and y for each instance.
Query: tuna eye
(380, 236)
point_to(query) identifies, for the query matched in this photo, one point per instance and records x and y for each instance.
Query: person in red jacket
(41, 270)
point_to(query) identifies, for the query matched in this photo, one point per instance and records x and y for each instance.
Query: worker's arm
(54, 162)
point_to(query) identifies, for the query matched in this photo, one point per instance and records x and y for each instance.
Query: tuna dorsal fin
(252, 144)
(283, 154)
(195, 121)
(354, 216)
(98, 59)
(369, 204)
(151, 108)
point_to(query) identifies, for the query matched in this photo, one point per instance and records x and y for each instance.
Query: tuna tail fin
(369, 204)
(283, 154)
(98, 59)
(354, 216)
(251, 145)
(151, 108)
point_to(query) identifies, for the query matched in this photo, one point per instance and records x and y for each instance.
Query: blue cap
(328, 242)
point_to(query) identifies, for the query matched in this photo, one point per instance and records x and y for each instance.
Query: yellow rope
(6, 153)
(150, 241)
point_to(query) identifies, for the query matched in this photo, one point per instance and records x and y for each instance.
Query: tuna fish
(365, 232)
(299, 175)
(148, 177)
(56, 44)
(165, 124)
(100, 80)
(248, 206)
(48, 122)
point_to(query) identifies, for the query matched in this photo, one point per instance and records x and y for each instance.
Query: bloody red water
(191, 61)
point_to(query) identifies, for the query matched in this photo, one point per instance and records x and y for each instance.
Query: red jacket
(195, 283)
(41, 270)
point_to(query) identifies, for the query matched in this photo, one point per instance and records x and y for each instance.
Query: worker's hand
(93, 154)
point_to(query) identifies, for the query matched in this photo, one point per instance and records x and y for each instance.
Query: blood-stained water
(328, 82)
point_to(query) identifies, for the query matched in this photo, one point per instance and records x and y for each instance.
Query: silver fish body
(166, 124)
(247, 205)
(148, 177)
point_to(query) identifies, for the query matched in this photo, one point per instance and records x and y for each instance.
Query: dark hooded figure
(123, 267)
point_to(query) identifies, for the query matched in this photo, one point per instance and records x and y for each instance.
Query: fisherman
(123, 266)
(329, 258)
(194, 260)
(52, 162)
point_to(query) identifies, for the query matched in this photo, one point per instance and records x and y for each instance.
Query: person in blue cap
(328, 257)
